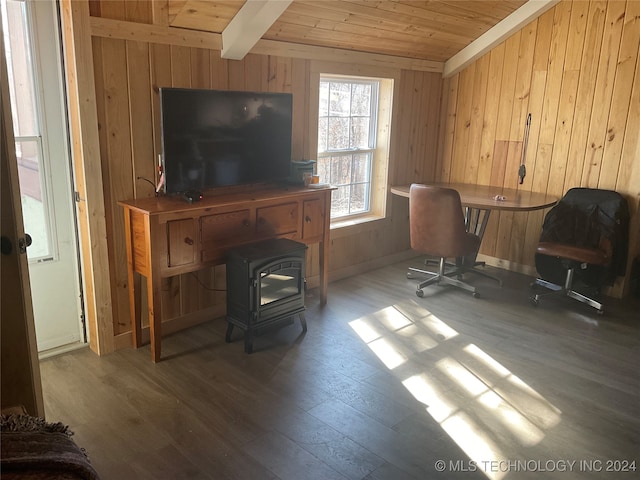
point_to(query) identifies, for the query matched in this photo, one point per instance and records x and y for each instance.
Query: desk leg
(476, 220)
(154, 300)
(474, 223)
(135, 308)
(133, 281)
(324, 250)
(155, 317)
(324, 278)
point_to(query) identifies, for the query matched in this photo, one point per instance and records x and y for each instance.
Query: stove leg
(227, 337)
(248, 341)
(303, 322)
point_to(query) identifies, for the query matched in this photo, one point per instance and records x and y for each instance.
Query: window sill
(347, 226)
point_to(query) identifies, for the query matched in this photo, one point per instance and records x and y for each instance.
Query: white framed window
(348, 141)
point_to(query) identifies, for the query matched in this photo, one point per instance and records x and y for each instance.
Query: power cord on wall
(157, 193)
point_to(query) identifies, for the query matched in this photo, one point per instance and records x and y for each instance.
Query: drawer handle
(307, 219)
(188, 241)
(245, 223)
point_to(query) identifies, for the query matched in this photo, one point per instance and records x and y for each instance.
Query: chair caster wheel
(475, 295)
(600, 312)
(409, 276)
(534, 301)
(420, 293)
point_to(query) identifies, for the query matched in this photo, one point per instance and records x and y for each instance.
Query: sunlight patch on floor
(461, 376)
(459, 384)
(392, 319)
(438, 405)
(386, 352)
(440, 330)
(365, 330)
(419, 341)
(475, 442)
(487, 360)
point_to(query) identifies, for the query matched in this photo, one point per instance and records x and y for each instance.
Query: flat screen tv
(217, 138)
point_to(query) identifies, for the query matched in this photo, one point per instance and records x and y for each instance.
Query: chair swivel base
(443, 278)
(566, 291)
(483, 274)
(471, 269)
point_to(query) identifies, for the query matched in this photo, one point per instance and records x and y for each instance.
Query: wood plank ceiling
(421, 29)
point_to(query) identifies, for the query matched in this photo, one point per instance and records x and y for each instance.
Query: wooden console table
(167, 236)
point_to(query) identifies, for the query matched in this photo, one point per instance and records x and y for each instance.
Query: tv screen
(216, 138)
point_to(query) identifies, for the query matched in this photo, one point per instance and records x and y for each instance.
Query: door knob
(25, 242)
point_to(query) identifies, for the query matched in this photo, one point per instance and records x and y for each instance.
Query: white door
(32, 45)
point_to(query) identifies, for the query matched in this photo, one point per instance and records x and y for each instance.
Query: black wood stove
(265, 286)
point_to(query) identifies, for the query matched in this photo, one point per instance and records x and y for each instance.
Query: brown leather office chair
(437, 229)
(583, 242)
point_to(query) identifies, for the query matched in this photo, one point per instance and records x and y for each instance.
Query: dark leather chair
(584, 241)
(437, 229)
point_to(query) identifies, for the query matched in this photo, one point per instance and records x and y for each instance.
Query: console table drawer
(181, 238)
(277, 220)
(225, 226)
(219, 231)
(312, 219)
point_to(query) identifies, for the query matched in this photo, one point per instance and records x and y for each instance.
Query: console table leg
(303, 322)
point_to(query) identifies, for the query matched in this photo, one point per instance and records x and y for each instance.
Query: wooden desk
(479, 200)
(483, 196)
(167, 236)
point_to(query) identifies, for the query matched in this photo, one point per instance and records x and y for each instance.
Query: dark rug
(31, 448)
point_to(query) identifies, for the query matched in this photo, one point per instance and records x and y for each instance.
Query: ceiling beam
(247, 27)
(311, 52)
(497, 34)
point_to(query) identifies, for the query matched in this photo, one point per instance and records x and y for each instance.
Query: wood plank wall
(128, 74)
(575, 69)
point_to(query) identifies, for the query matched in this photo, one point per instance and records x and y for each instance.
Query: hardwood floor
(382, 386)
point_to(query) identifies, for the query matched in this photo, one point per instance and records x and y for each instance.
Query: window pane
(338, 134)
(341, 170)
(359, 201)
(361, 168)
(324, 99)
(340, 202)
(20, 70)
(359, 132)
(361, 100)
(33, 206)
(324, 169)
(322, 134)
(340, 99)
